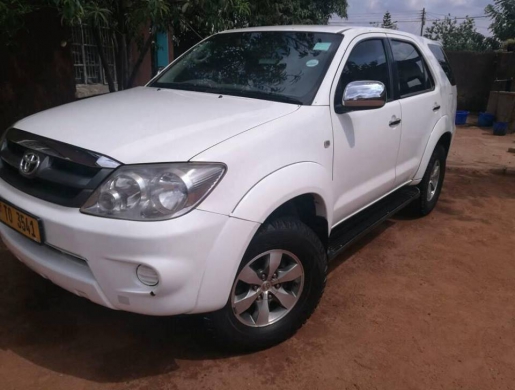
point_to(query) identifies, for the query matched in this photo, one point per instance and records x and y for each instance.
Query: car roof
(299, 27)
(331, 29)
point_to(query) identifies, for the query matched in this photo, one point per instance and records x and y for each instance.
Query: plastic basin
(485, 119)
(461, 117)
(500, 128)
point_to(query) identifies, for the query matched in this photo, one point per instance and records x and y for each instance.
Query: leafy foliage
(460, 36)
(128, 19)
(387, 21)
(206, 17)
(11, 18)
(502, 13)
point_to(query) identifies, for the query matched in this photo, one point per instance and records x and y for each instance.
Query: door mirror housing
(363, 95)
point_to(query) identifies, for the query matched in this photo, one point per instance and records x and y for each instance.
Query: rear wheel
(432, 182)
(277, 287)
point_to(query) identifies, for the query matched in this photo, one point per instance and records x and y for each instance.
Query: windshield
(281, 66)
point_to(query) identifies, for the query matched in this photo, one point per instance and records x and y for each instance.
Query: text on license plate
(19, 221)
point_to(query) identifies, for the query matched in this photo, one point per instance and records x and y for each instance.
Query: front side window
(274, 65)
(444, 62)
(412, 70)
(367, 62)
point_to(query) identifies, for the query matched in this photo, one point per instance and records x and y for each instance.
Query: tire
(294, 244)
(429, 195)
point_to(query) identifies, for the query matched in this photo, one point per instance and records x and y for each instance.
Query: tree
(128, 19)
(278, 12)
(502, 13)
(11, 18)
(460, 36)
(256, 13)
(387, 21)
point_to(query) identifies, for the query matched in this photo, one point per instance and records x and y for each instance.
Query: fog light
(147, 275)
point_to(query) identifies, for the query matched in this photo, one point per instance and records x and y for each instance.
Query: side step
(360, 224)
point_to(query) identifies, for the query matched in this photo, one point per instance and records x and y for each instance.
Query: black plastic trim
(67, 175)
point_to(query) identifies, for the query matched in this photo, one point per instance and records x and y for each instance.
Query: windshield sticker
(312, 63)
(322, 46)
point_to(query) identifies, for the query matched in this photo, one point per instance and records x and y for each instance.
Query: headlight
(154, 191)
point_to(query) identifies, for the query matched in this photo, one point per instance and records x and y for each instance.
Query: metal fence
(87, 64)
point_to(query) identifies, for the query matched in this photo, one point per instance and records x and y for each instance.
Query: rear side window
(413, 73)
(444, 62)
(367, 61)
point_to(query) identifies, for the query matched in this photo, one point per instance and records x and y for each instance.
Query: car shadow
(70, 335)
(359, 244)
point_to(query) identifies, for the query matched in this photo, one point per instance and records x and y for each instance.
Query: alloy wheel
(267, 288)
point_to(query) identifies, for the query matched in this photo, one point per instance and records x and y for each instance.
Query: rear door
(420, 100)
(448, 87)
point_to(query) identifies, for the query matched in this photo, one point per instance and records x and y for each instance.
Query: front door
(365, 142)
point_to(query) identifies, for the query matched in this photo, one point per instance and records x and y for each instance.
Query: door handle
(436, 107)
(394, 122)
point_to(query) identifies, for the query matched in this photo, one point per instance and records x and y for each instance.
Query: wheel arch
(286, 190)
(442, 134)
(297, 186)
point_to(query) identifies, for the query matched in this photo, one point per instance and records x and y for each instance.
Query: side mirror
(363, 95)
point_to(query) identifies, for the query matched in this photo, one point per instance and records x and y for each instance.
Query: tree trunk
(125, 58)
(103, 59)
(121, 60)
(121, 43)
(139, 61)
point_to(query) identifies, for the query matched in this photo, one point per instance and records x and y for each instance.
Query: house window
(87, 64)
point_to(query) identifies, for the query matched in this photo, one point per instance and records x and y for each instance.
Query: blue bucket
(461, 117)
(500, 128)
(485, 119)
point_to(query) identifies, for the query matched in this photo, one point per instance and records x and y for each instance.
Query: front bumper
(196, 256)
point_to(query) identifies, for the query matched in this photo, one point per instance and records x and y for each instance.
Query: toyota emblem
(29, 164)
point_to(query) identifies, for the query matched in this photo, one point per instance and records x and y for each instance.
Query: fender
(442, 126)
(253, 209)
(283, 185)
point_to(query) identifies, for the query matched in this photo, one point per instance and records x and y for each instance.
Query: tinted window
(444, 62)
(284, 66)
(367, 61)
(412, 71)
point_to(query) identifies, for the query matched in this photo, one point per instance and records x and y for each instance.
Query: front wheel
(277, 287)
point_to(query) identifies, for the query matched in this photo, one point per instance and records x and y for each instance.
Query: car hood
(143, 125)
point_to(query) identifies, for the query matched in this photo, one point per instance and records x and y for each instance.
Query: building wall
(146, 70)
(474, 73)
(505, 70)
(36, 72)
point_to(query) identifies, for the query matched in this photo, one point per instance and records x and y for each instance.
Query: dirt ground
(417, 304)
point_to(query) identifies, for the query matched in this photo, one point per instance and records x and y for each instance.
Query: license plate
(21, 222)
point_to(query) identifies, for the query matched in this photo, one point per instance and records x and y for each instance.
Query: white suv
(227, 183)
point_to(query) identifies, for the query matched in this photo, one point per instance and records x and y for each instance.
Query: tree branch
(140, 59)
(103, 59)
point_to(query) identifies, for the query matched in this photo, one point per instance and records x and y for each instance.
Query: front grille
(66, 175)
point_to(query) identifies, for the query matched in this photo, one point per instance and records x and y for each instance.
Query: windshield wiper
(182, 86)
(273, 96)
(230, 91)
(258, 95)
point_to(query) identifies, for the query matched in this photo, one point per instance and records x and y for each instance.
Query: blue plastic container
(485, 119)
(461, 117)
(500, 128)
